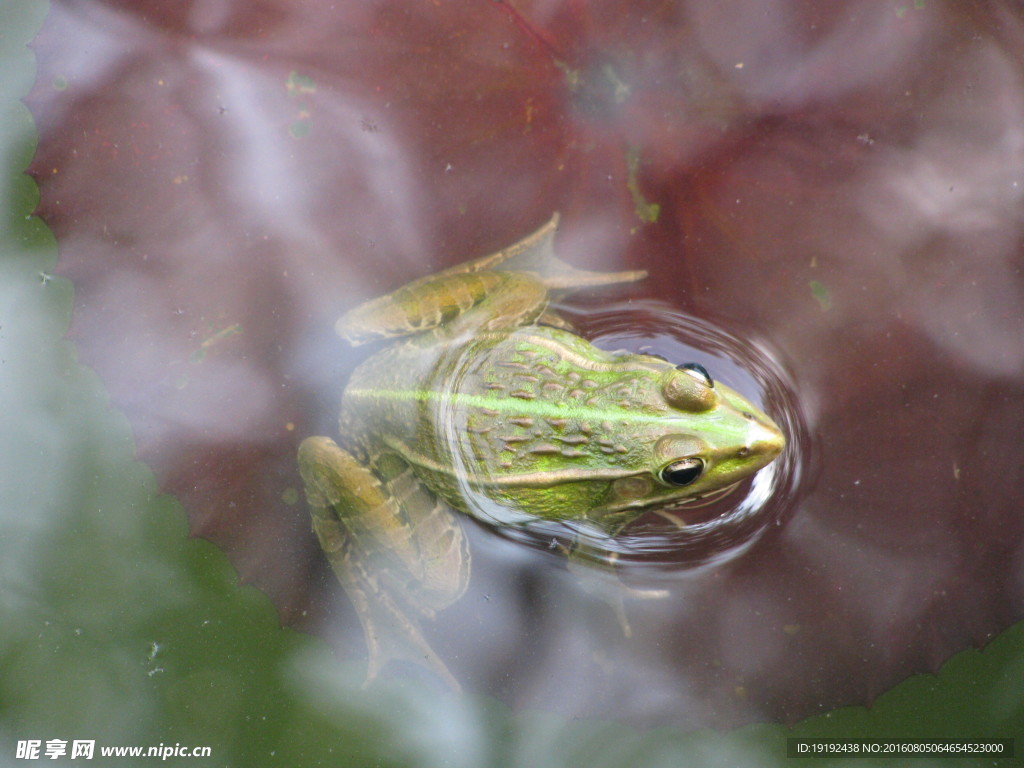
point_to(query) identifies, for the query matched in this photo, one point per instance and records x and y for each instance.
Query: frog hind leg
(505, 289)
(537, 247)
(536, 253)
(337, 487)
(450, 305)
(390, 633)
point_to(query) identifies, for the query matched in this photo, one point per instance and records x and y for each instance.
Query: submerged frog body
(486, 403)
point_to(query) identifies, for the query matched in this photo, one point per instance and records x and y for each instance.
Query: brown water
(838, 189)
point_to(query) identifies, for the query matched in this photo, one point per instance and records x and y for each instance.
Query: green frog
(485, 401)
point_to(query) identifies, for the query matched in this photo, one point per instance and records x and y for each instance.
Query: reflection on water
(835, 184)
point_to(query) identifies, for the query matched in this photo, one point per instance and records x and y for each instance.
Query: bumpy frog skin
(475, 399)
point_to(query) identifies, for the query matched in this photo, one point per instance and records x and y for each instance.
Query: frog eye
(689, 387)
(682, 472)
(699, 372)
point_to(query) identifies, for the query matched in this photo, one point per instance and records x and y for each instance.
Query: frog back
(533, 419)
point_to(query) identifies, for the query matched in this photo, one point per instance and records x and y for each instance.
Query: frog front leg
(378, 554)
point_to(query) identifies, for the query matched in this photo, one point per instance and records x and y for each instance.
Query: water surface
(836, 187)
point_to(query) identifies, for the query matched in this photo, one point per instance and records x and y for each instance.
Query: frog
(483, 401)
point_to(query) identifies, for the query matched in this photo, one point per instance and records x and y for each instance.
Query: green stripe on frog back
(544, 409)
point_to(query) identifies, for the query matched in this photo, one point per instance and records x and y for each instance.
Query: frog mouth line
(695, 502)
(666, 504)
(549, 478)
